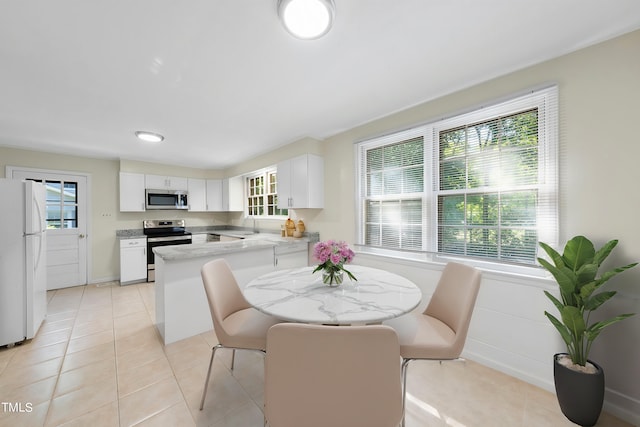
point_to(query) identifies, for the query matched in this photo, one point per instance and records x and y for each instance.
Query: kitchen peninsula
(182, 309)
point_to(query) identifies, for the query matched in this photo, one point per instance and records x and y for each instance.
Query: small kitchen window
(262, 194)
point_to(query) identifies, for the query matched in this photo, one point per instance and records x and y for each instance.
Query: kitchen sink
(240, 232)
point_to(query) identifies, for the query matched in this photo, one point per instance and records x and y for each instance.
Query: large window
(481, 184)
(262, 195)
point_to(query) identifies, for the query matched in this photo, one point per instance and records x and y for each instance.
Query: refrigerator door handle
(41, 221)
(37, 264)
(41, 234)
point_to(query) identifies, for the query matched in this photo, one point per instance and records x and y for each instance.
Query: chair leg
(206, 382)
(233, 358)
(405, 366)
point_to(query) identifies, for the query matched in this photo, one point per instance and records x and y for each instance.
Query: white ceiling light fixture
(307, 19)
(149, 136)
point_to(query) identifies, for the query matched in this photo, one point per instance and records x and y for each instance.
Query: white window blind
(393, 204)
(480, 184)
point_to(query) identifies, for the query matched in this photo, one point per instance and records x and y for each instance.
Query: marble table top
(296, 295)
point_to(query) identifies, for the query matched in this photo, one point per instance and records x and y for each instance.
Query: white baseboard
(615, 403)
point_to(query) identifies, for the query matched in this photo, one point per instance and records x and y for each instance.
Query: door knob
(81, 236)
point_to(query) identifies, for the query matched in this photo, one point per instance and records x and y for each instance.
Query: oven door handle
(167, 238)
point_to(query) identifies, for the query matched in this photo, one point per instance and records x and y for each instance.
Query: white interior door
(66, 211)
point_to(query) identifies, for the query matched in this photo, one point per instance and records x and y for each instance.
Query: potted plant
(579, 382)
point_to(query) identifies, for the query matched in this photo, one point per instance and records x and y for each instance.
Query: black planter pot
(580, 395)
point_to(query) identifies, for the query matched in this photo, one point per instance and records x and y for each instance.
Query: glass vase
(332, 277)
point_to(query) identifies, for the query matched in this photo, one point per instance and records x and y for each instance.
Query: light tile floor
(98, 361)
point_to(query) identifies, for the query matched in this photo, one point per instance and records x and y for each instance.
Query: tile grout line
(64, 356)
(173, 372)
(115, 351)
(149, 385)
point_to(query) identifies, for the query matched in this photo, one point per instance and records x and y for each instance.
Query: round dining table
(298, 295)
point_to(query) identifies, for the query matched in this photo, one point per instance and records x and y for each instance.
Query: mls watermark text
(16, 407)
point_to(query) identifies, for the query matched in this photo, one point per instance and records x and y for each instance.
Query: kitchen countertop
(138, 233)
(130, 234)
(250, 242)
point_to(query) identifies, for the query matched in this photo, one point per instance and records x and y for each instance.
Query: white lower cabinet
(291, 255)
(133, 260)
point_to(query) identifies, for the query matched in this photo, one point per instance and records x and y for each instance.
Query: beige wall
(104, 210)
(599, 150)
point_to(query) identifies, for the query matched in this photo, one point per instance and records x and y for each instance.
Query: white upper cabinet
(161, 182)
(197, 194)
(301, 182)
(131, 192)
(214, 195)
(205, 195)
(232, 194)
(225, 195)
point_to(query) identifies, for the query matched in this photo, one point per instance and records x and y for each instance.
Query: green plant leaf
(586, 273)
(604, 252)
(604, 278)
(597, 300)
(573, 320)
(351, 276)
(564, 332)
(553, 254)
(565, 278)
(555, 301)
(577, 252)
(595, 329)
(587, 290)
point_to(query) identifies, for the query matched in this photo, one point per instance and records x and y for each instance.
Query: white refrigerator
(23, 265)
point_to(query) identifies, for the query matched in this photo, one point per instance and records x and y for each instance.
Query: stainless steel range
(163, 233)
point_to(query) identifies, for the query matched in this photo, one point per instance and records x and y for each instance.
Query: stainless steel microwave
(166, 199)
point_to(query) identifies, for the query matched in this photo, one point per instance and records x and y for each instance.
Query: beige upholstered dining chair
(237, 325)
(439, 333)
(320, 376)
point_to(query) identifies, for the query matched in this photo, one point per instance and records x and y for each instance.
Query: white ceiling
(224, 82)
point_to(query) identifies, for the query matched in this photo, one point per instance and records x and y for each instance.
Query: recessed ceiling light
(306, 19)
(149, 136)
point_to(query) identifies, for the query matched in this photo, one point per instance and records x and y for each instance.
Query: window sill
(497, 270)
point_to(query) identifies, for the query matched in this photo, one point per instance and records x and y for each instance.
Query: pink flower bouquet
(332, 256)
